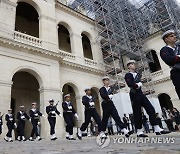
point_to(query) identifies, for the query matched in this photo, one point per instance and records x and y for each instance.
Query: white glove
(70, 107)
(139, 84)
(110, 96)
(53, 112)
(11, 119)
(91, 103)
(15, 125)
(43, 116)
(30, 120)
(60, 115)
(36, 114)
(22, 117)
(38, 123)
(76, 115)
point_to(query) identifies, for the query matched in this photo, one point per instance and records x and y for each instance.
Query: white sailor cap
(34, 103)
(130, 62)
(67, 95)
(22, 106)
(9, 109)
(167, 33)
(86, 89)
(105, 78)
(51, 100)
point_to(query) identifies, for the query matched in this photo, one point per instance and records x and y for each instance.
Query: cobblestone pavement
(89, 146)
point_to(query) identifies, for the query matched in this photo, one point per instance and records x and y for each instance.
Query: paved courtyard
(89, 146)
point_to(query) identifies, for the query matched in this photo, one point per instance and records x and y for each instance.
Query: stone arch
(65, 24)
(34, 4)
(30, 70)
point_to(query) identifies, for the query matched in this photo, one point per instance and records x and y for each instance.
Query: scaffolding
(123, 26)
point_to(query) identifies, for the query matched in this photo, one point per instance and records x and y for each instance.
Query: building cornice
(6, 83)
(29, 48)
(70, 10)
(79, 66)
(161, 80)
(9, 43)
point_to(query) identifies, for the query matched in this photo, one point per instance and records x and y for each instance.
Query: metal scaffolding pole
(123, 26)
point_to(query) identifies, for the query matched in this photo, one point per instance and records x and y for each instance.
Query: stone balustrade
(27, 39)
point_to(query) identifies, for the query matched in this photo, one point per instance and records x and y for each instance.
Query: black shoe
(79, 137)
(129, 133)
(6, 140)
(53, 139)
(163, 132)
(72, 139)
(142, 135)
(67, 138)
(40, 139)
(31, 139)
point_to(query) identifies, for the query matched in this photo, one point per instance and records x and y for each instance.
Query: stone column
(45, 95)
(176, 102)
(76, 47)
(48, 33)
(5, 102)
(7, 18)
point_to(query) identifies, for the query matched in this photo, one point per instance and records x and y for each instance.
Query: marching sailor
(1, 123)
(90, 111)
(139, 100)
(51, 110)
(109, 108)
(21, 117)
(9, 117)
(170, 54)
(68, 114)
(34, 114)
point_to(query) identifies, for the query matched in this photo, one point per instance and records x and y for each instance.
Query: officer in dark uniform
(21, 117)
(68, 114)
(90, 111)
(51, 110)
(10, 124)
(139, 100)
(109, 108)
(34, 114)
(170, 54)
(1, 123)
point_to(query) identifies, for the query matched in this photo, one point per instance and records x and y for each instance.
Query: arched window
(64, 38)
(27, 19)
(86, 47)
(155, 65)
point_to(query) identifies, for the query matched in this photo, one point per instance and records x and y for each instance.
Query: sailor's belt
(67, 111)
(52, 116)
(91, 107)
